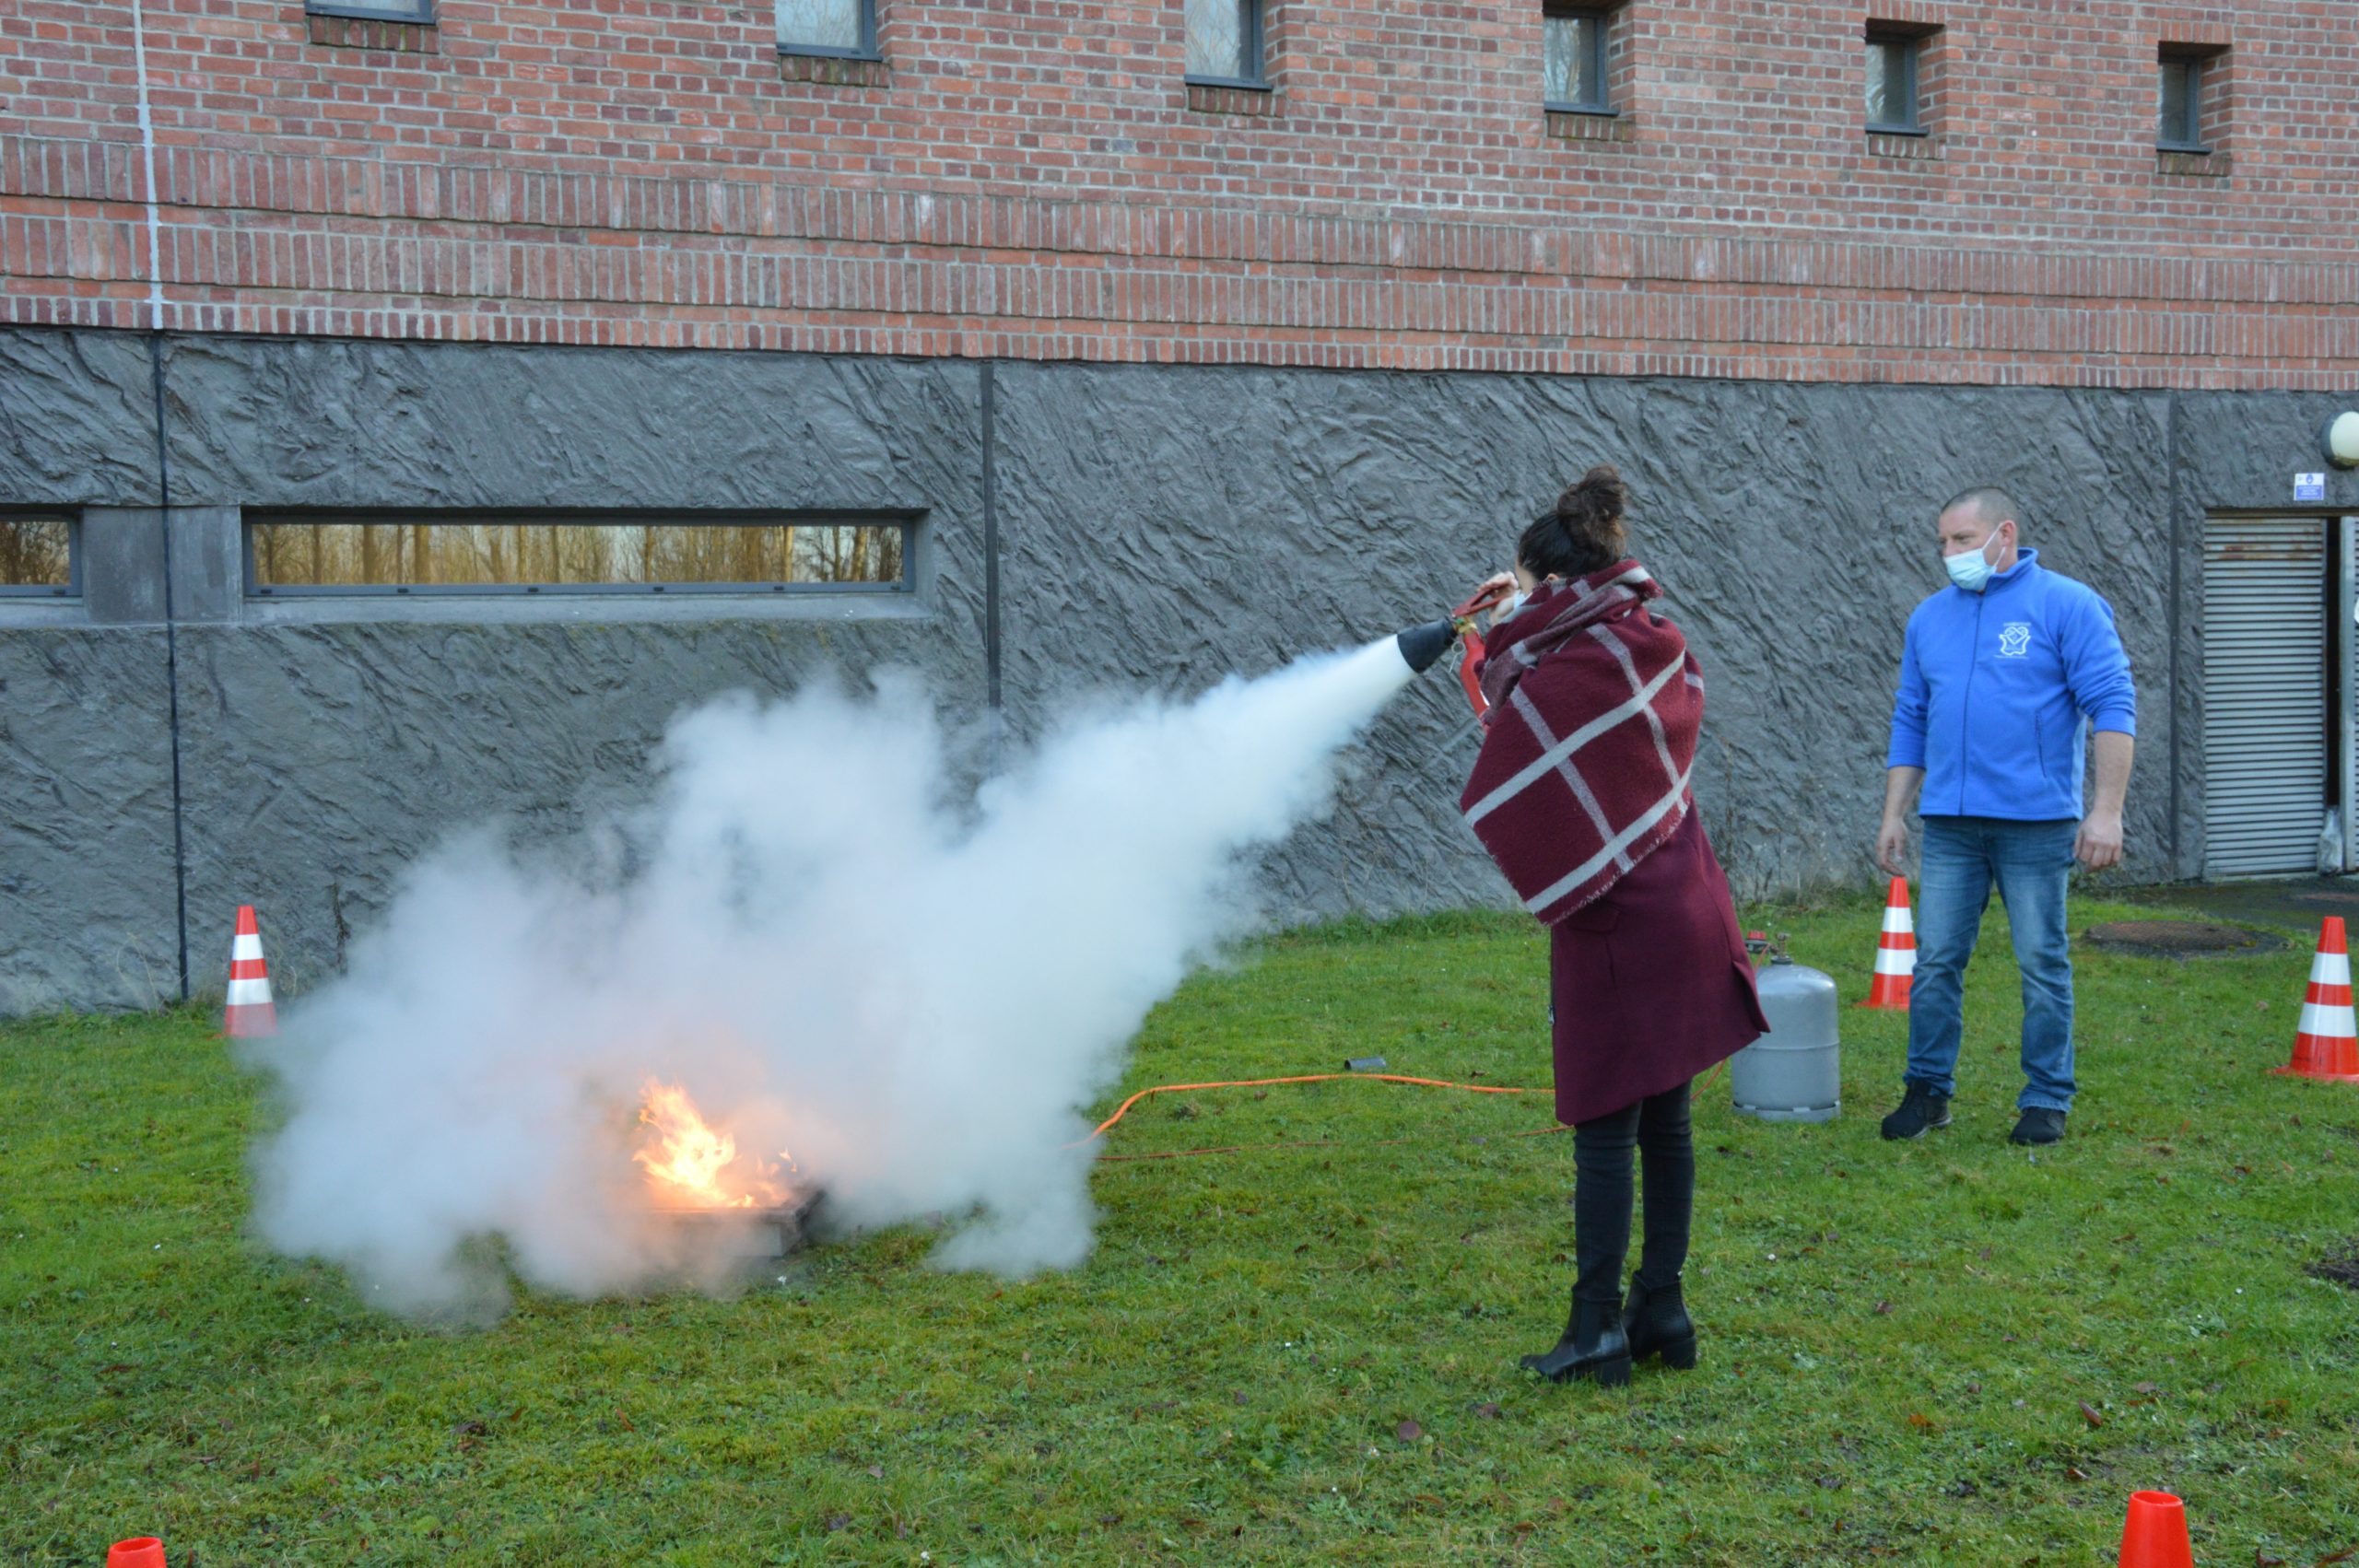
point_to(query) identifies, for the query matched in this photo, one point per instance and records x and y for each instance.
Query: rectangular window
(1575, 42)
(827, 27)
(1225, 42)
(642, 552)
(2182, 105)
(1892, 83)
(37, 556)
(373, 10)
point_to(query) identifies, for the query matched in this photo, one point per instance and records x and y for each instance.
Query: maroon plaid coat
(1595, 705)
(1580, 794)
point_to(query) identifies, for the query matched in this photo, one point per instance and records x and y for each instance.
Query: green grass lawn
(1944, 1352)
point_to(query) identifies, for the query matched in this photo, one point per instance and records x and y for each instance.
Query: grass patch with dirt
(1953, 1352)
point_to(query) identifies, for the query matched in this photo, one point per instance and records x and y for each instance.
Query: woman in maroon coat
(1580, 793)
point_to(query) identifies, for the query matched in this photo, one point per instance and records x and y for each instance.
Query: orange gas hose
(1310, 1143)
(1123, 1109)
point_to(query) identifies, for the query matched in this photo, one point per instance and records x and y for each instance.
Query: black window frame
(47, 591)
(415, 13)
(2193, 62)
(866, 50)
(907, 521)
(1600, 53)
(1256, 45)
(1912, 55)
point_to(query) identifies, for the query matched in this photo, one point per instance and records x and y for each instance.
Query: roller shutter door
(2345, 630)
(2265, 723)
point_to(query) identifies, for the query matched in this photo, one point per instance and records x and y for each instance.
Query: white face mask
(1512, 602)
(1971, 569)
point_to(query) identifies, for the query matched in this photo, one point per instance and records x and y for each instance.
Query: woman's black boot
(1656, 1324)
(1594, 1347)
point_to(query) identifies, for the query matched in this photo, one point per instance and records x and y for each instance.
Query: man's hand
(1900, 786)
(1891, 846)
(2098, 843)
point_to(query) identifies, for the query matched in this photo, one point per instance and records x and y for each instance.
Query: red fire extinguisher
(1469, 664)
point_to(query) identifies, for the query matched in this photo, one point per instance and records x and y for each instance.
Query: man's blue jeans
(1964, 857)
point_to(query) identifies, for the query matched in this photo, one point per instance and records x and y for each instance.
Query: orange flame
(690, 1164)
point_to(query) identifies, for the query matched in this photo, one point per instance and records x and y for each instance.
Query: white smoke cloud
(914, 994)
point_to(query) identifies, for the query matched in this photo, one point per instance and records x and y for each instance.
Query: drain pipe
(147, 148)
(2177, 503)
(163, 483)
(997, 714)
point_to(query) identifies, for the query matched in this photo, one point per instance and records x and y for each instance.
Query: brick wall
(1031, 178)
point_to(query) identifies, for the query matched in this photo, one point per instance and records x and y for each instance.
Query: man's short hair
(1991, 506)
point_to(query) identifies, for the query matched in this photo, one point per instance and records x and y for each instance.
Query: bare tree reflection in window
(1220, 40)
(35, 553)
(1574, 42)
(819, 24)
(1892, 82)
(307, 554)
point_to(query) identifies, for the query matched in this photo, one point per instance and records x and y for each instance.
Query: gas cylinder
(1795, 1071)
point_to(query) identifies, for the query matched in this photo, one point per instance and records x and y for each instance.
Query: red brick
(1034, 181)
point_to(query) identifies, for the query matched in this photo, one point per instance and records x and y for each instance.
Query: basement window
(1893, 107)
(840, 29)
(2181, 127)
(38, 556)
(1574, 40)
(418, 11)
(1226, 44)
(635, 553)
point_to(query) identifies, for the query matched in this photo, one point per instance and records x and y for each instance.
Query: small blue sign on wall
(2309, 486)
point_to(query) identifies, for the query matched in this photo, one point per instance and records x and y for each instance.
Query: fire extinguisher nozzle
(1421, 646)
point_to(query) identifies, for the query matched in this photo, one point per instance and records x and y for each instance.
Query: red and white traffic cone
(1895, 952)
(2326, 1043)
(249, 1014)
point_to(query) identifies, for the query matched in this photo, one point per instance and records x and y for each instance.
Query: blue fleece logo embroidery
(2014, 639)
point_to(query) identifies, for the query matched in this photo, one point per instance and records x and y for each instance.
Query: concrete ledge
(20, 613)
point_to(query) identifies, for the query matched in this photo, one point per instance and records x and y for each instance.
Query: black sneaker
(2038, 1124)
(1919, 1109)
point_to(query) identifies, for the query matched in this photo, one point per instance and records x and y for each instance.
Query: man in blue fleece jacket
(1999, 675)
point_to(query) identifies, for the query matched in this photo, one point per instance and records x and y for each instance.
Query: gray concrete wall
(1156, 528)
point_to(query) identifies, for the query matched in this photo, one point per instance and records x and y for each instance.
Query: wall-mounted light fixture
(2341, 439)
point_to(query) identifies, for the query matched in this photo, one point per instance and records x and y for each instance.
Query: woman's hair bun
(1582, 534)
(1595, 500)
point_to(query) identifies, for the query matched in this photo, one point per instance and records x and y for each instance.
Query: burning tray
(751, 1236)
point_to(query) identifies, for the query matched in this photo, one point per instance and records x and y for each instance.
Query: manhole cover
(2181, 939)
